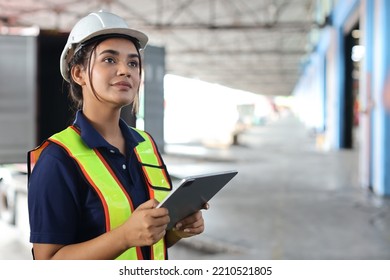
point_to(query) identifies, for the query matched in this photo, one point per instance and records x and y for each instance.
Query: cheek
(99, 79)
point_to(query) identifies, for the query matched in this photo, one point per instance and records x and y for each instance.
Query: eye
(133, 64)
(109, 60)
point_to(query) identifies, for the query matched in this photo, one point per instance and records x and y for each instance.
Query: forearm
(145, 227)
(104, 247)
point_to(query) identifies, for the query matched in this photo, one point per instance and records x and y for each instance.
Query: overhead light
(356, 33)
(357, 53)
(19, 30)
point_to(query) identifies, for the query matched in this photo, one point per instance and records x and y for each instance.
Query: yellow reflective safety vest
(116, 202)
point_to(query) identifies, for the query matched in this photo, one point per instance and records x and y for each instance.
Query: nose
(123, 69)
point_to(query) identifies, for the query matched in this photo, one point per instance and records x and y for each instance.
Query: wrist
(172, 237)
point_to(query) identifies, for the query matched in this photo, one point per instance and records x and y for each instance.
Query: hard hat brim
(141, 37)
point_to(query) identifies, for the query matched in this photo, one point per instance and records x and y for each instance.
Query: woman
(94, 187)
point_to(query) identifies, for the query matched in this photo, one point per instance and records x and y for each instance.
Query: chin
(123, 100)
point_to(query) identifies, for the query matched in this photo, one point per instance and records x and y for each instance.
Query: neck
(106, 122)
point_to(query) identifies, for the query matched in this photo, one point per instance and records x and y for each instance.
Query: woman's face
(115, 74)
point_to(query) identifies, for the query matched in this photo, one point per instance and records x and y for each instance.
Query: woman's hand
(146, 225)
(191, 225)
(187, 227)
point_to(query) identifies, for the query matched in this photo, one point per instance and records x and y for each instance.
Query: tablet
(192, 193)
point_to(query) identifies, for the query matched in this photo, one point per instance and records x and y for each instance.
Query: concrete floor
(289, 201)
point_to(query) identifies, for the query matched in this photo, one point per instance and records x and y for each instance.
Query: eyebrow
(114, 52)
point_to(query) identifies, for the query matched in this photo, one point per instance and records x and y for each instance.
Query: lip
(122, 84)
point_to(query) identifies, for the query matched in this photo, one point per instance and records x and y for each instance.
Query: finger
(190, 220)
(159, 213)
(194, 229)
(194, 224)
(161, 221)
(161, 235)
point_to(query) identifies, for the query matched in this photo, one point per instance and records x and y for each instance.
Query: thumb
(150, 204)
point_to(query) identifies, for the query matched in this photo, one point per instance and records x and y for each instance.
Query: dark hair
(82, 56)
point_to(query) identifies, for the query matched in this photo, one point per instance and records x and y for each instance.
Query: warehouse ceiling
(252, 45)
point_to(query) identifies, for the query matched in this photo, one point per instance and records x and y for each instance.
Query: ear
(78, 75)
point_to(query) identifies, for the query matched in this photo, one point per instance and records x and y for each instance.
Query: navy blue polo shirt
(63, 208)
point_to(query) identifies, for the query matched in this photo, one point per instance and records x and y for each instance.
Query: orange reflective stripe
(34, 155)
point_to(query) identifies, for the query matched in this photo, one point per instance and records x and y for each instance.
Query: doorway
(350, 108)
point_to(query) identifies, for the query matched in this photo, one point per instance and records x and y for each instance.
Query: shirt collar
(93, 139)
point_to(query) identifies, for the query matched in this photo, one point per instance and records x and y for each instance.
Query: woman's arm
(145, 227)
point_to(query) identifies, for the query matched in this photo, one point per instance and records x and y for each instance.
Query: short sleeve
(53, 198)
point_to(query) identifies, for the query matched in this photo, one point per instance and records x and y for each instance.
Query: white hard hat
(93, 25)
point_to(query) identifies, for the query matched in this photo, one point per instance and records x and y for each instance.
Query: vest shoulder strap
(154, 169)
